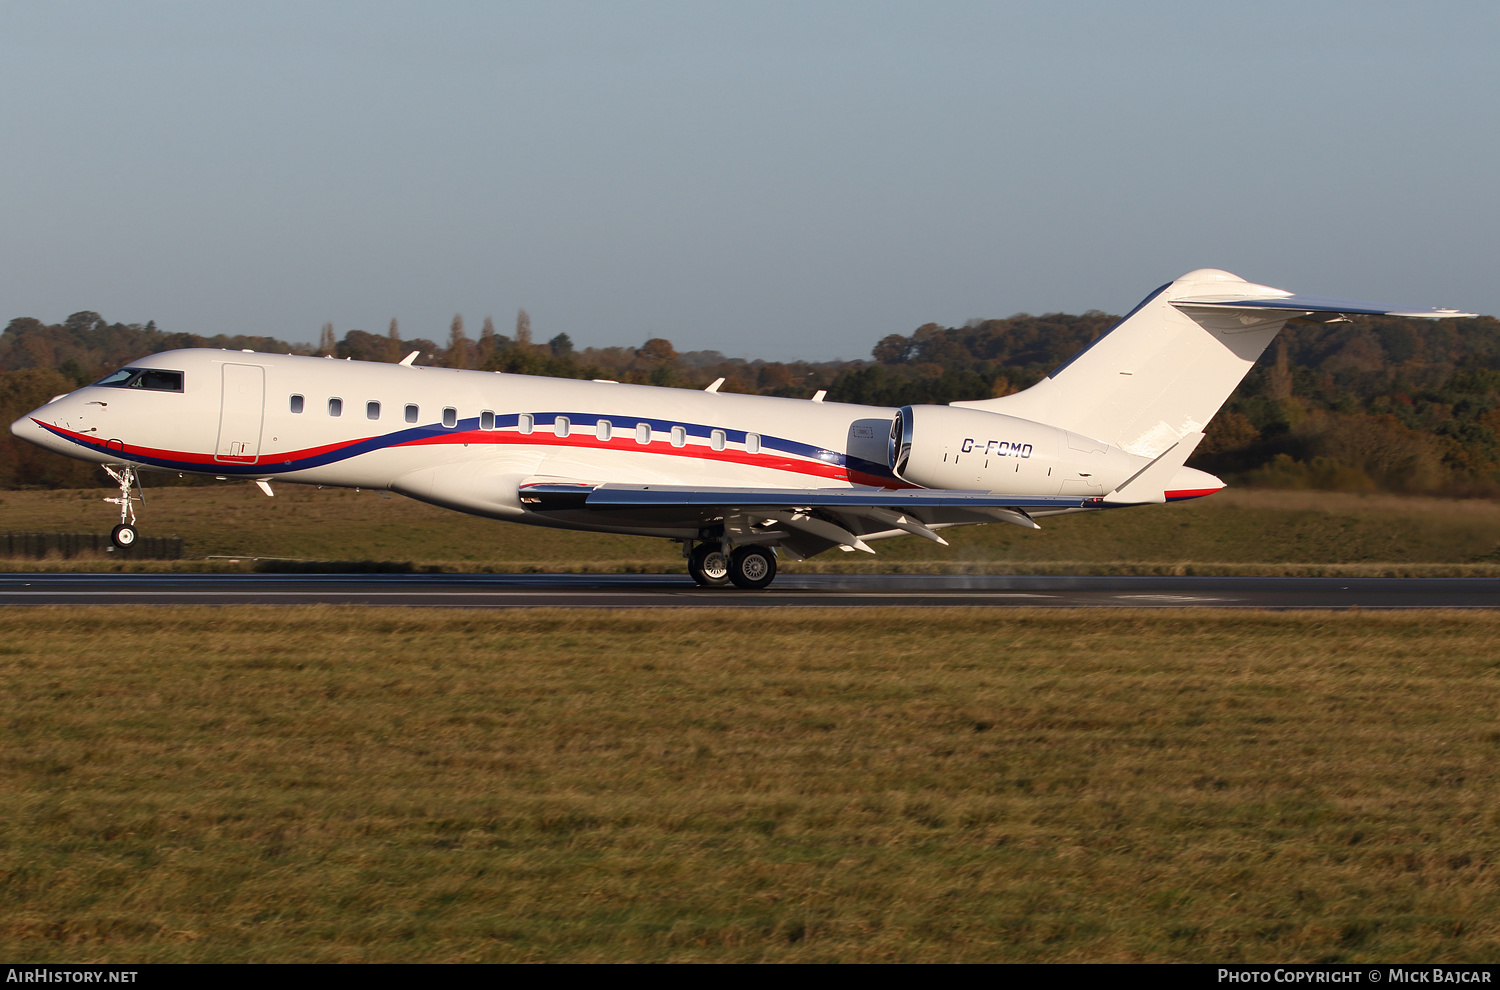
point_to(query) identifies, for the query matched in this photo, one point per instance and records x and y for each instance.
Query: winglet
(1150, 483)
(406, 362)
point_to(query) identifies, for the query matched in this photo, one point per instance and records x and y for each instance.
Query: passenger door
(241, 412)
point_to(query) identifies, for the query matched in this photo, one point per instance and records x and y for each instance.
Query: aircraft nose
(26, 428)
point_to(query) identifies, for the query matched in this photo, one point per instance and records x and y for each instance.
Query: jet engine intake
(946, 447)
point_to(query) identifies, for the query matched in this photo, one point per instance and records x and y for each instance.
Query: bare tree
(523, 328)
(327, 343)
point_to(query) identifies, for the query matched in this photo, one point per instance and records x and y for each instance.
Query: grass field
(403, 785)
(1262, 532)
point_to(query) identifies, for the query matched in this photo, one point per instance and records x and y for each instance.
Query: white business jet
(737, 479)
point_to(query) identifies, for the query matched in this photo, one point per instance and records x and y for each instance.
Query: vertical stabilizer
(1161, 373)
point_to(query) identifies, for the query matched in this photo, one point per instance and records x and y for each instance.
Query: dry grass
(1233, 532)
(331, 784)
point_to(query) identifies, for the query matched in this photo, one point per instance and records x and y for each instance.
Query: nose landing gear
(125, 535)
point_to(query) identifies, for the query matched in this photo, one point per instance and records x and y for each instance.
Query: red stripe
(817, 469)
(195, 458)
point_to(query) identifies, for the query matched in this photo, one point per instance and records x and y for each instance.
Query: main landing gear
(747, 568)
(709, 565)
(125, 535)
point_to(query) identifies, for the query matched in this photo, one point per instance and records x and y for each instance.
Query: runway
(790, 591)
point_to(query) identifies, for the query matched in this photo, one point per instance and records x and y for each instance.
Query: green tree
(486, 342)
(458, 343)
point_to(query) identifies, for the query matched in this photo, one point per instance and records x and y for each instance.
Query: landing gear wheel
(709, 566)
(752, 568)
(123, 536)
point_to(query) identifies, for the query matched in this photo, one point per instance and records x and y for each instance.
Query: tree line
(1379, 404)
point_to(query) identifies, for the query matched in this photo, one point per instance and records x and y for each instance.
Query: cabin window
(412, 413)
(602, 429)
(526, 422)
(335, 407)
(752, 443)
(372, 410)
(487, 419)
(450, 417)
(679, 436)
(297, 404)
(643, 433)
(717, 439)
(560, 426)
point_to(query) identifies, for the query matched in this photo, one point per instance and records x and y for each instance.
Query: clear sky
(767, 179)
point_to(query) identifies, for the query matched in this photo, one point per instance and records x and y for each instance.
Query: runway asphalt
(811, 590)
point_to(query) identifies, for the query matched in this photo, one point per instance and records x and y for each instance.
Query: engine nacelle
(944, 447)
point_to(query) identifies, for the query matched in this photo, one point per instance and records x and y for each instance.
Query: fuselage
(469, 440)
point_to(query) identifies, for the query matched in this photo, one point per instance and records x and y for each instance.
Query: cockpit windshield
(152, 379)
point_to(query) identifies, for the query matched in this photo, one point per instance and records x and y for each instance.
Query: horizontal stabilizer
(1317, 304)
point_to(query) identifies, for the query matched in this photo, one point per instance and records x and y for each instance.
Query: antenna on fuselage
(406, 362)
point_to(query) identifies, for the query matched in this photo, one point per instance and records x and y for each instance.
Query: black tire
(752, 568)
(124, 536)
(709, 566)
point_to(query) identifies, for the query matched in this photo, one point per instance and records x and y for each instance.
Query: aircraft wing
(609, 496)
(805, 520)
(618, 496)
